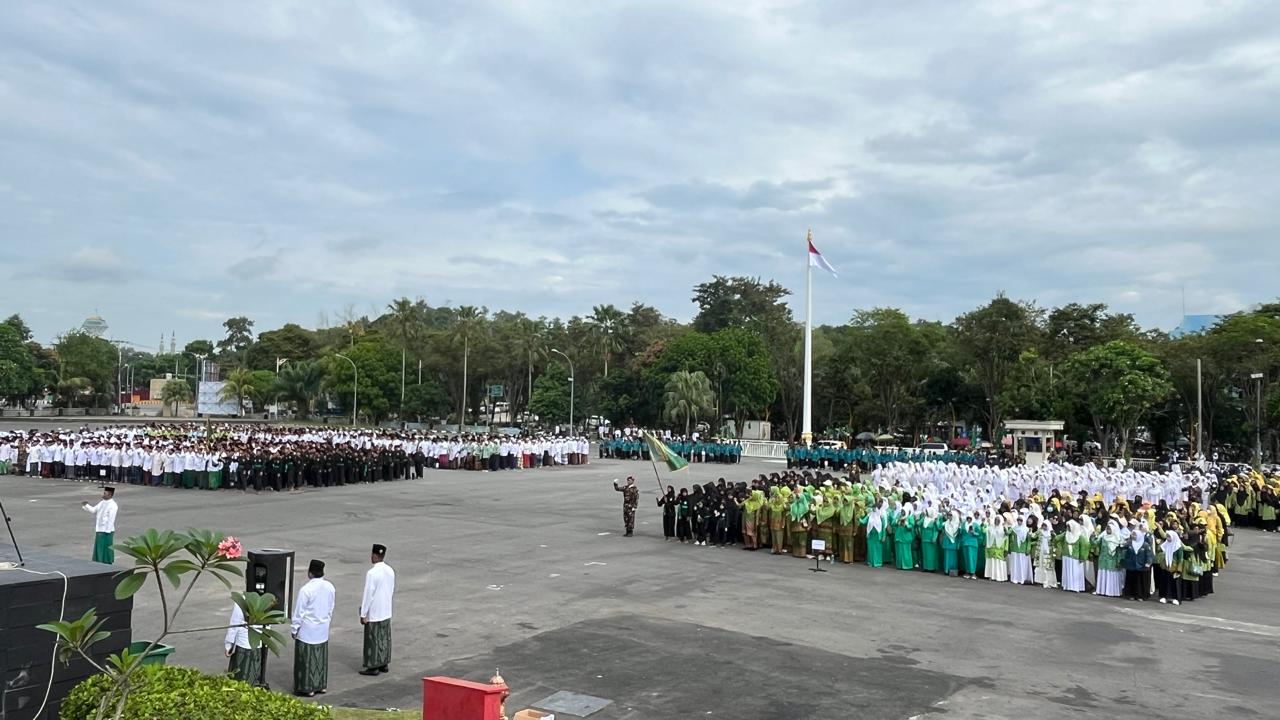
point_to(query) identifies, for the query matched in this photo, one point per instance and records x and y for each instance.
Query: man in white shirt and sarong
(375, 613)
(245, 662)
(104, 526)
(311, 615)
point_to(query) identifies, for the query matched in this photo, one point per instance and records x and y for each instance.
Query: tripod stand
(8, 523)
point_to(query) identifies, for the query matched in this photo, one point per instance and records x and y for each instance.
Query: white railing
(764, 449)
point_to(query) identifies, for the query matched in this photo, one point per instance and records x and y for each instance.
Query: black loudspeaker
(270, 570)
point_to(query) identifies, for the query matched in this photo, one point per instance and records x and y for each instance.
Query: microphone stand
(8, 524)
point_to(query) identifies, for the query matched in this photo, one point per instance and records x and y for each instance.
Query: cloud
(1086, 151)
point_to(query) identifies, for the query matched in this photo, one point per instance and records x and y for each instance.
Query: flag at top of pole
(816, 259)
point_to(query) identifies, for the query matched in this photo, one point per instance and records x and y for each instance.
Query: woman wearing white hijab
(1110, 574)
(1046, 574)
(997, 545)
(1020, 553)
(1169, 561)
(951, 543)
(1090, 534)
(1137, 558)
(1072, 566)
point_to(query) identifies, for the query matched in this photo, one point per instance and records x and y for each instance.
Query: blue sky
(173, 164)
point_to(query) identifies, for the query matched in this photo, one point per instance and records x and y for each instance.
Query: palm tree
(406, 324)
(531, 344)
(301, 383)
(687, 395)
(239, 385)
(607, 328)
(174, 392)
(467, 322)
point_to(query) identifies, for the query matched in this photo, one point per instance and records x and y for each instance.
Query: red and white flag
(816, 259)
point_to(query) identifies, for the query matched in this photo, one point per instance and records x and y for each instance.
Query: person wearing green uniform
(750, 512)
(798, 523)
(1019, 559)
(930, 528)
(845, 522)
(824, 512)
(875, 521)
(903, 536)
(997, 546)
(779, 507)
(950, 540)
(971, 537)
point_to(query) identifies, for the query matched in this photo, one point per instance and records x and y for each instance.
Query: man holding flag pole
(815, 260)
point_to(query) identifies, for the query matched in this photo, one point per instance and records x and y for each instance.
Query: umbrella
(864, 436)
(885, 438)
(960, 442)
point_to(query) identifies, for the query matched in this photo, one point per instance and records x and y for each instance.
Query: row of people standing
(840, 458)
(1077, 546)
(715, 450)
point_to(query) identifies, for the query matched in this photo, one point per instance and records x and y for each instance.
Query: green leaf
(130, 585)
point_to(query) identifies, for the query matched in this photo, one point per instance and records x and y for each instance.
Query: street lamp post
(355, 387)
(1257, 424)
(571, 376)
(279, 361)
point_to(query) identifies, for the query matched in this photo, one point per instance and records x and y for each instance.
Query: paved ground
(528, 572)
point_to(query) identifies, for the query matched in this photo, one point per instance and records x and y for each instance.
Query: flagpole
(806, 429)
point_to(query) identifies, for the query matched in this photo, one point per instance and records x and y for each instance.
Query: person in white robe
(312, 614)
(375, 613)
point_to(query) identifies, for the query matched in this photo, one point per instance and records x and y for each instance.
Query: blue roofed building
(1192, 324)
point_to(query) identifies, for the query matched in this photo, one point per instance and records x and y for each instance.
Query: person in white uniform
(375, 613)
(311, 616)
(104, 526)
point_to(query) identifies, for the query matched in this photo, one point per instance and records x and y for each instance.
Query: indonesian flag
(816, 259)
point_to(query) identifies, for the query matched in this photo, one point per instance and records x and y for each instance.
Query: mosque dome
(94, 325)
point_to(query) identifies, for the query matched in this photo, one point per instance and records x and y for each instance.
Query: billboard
(210, 402)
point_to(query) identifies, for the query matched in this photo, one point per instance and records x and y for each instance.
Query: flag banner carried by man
(659, 451)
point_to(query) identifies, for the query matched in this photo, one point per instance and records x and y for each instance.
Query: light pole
(1257, 424)
(571, 374)
(355, 387)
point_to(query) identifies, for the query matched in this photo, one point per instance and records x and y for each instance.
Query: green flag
(659, 451)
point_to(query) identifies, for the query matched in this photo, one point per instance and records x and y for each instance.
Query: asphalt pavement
(528, 572)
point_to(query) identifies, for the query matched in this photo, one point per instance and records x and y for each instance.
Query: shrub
(168, 693)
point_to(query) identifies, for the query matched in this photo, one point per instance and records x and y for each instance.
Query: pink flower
(230, 548)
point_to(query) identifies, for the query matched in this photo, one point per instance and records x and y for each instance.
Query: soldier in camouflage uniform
(630, 499)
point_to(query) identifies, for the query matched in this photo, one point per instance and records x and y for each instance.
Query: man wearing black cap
(104, 525)
(375, 612)
(311, 616)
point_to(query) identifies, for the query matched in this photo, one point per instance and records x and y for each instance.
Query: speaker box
(270, 570)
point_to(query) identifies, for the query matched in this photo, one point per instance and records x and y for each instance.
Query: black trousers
(1136, 584)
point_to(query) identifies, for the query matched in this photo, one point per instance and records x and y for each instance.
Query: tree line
(740, 358)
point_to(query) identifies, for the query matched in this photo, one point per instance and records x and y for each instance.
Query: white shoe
(1163, 601)
(1175, 602)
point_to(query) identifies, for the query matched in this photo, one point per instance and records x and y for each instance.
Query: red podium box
(446, 698)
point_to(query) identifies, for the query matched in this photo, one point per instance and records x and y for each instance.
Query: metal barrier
(772, 449)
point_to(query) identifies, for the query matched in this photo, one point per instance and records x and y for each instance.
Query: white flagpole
(806, 430)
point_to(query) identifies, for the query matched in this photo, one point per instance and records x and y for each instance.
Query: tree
(468, 323)
(19, 379)
(300, 383)
(1119, 383)
(19, 326)
(81, 355)
(607, 324)
(892, 357)
(291, 342)
(1075, 327)
(379, 365)
(174, 392)
(991, 339)
(687, 395)
(199, 347)
(239, 386)
(739, 302)
(550, 401)
(425, 400)
(239, 337)
(404, 329)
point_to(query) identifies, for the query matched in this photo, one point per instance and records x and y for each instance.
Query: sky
(169, 165)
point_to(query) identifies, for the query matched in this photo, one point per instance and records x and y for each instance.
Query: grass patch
(340, 713)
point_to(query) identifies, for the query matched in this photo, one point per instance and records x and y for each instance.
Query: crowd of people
(270, 457)
(1079, 528)
(696, 449)
(841, 458)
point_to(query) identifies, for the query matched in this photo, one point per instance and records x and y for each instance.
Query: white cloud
(327, 155)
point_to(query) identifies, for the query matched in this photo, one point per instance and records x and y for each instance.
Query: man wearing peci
(104, 525)
(311, 616)
(375, 613)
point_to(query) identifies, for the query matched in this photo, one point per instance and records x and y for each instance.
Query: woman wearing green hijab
(798, 523)
(778, 502)
(750, 511)
(845, 522)
(824, 512)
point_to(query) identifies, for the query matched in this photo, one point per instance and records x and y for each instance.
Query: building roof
(1192, 324)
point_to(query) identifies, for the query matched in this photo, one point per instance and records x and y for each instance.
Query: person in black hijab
(668, 504)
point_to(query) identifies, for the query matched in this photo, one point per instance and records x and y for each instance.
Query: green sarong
(246, 665)
(188, 479)
(215, 479)
(103, 548)
(377, 644)
(310, 667)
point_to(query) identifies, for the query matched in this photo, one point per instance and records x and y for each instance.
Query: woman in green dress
(904, 534)
(971, 539)
(930, 529)
(875, 521)
(950, 539)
